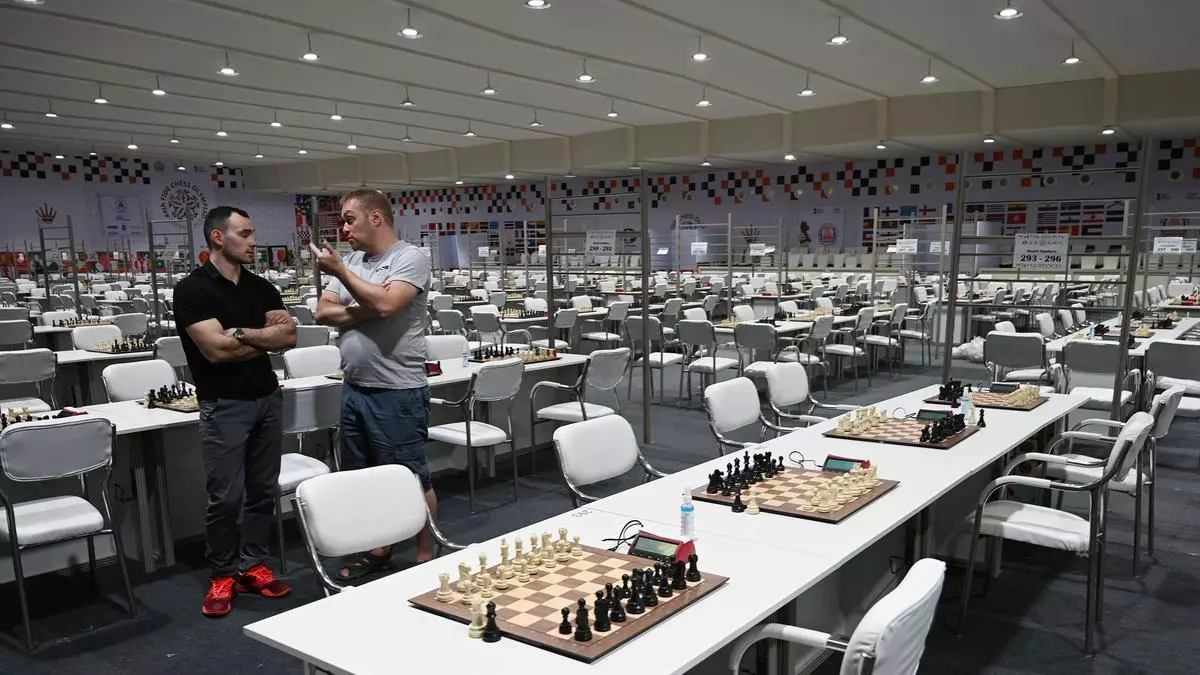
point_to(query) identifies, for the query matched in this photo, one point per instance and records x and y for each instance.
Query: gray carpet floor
(1030, 622)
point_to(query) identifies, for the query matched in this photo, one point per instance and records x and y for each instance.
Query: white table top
(348, 632)
(780, 327)
(68, 356)
(42, 330)
(1181, 327)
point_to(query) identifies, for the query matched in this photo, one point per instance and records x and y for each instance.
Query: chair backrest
(131, 324)
(116, 295)
(497, 380)
(443, 302)
(451, 321)
(617, 311)
(310, 361)
(672, 307)
(580, 301)
(757, 336)
(743, 312)
(1163, 409)
(311, 408)
(606, 368)
(1005, 327)
(596, 449)
(16, 332)
(479, 294)
(695, 333)
(85, 337)
(535, 304)
(731, 405)
(566, 318)
(304, 316)
(1045, 324)
(1176, 358)
(866, 316)
(170, 349)
(27, 365)
(634, 326)
(80, 445)
(789, 307)
(1129, 443)
(710, 302)
(332, 507)
(1080, 314)
(1066, 319)
(1014, 350)
(487, 308)
(824, 302)
(131, 381)
(444, 347)
(487, 322)
(498, 298)
(892, 633)
(1084, 356)
(822, 327)
(787, 384)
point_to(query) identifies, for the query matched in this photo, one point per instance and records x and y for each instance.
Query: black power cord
(800, 462)
(621, 539)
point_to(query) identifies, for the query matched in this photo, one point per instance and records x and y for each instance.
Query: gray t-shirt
(387, 353)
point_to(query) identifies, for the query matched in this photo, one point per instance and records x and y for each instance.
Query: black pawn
(649, 597)
(491, 632)
(635, 604)
(616, 612)
(624, 590)
(602, 624)
(738, 506)
(664, 586)
(679, 579)
(583, 625)
(982, 422)
(727, 486)
(564, 628)
(693, 573)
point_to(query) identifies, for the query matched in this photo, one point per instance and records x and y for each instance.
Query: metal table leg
(141, 494)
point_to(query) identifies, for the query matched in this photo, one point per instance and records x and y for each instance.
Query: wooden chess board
(111, 347)
(531, 612)
(524, 356)
(901, 432)
(339, 375)
(789, 494)
(993, 400)
(521, 314)
(187, 404)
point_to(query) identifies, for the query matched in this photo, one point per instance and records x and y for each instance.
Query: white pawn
(475, 629)
(752, 504)
(469, 594)
(522, 574)
(577, 548)
(485, 586)
(444, 593)
(548, 558)
(520, 549)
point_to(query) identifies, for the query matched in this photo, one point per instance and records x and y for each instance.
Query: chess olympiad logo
(827, 235)
(46, 214)
(687, 221)
(183, 200)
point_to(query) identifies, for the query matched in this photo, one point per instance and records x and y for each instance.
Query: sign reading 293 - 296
(1040, 252)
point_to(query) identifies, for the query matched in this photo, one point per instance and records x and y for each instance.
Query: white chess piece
(464, 577)
(485, 586)
(444, 593)
(522, 574)
(475, 629)
(752, 504)
(520, 549)
(577, 548)
(506, 571)
(482, 563)
(469, 594)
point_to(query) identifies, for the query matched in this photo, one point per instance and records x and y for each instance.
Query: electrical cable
(621, 538)
(800, 462)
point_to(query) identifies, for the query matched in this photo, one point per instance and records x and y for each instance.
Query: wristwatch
(239, 334)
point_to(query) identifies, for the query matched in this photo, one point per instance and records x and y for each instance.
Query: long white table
(1142, 344)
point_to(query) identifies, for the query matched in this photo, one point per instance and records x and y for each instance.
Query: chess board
(785, 495)
(902, 432)
(336, 376)
(112, 347)
(187, 404)
(992, 400)
(531, 612)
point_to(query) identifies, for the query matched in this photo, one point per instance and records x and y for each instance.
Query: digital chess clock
(843, 464)
(1003, 387)
(927, 415)
(661, 549)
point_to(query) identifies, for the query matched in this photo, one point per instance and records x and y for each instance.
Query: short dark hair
(218, 219)
(371, 200)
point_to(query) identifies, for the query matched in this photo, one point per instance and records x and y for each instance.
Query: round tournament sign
(183, 200)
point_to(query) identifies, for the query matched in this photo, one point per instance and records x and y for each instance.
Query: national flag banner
(1047, 214)
(995, 217)
(1015, 218)
(997, 208)
(1115, 212)
(1065, 218)
(908, 211)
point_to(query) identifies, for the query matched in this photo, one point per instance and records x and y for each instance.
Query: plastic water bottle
(1092, 332)
(466, 357)
(687, 518)
(964, 405)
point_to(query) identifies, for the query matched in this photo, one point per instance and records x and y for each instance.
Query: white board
(122, 216)
(758, 250)
(1189, 245)
(541, 249)
(601, 242)
(907, 245)
(482, 251)
(1040, 252)
(699, 248)
(661, 251)
(1168, 244)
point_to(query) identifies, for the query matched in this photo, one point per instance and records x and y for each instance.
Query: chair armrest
(450, 404)
(807, 419)
(1085, 436)
(775, 427)
(1046, 458)
(650, 470)
(832, 406)
(550, 385)
(1096, 421)
(778, 631)
(1026, 481)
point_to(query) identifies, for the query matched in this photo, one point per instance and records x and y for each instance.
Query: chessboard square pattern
(789, 495)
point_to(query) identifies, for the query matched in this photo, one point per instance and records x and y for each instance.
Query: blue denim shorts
(385, 426)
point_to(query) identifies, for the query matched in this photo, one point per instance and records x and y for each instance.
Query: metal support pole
(315, 238)
(645, 247)
(729, 263)
(549, 263)
(678, 256)
(952, 283)
(75, 259)
(874, 253)
(1127, 306)
(781, 255)
(153, 274)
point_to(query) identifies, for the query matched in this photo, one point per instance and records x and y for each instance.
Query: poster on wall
(699, 248)
(823, 227)
(1168, 244)
(601, 242)
(1040, 252)
(122, 216)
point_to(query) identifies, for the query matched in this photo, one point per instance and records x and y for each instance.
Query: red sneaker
(219, 600)
(259, 579)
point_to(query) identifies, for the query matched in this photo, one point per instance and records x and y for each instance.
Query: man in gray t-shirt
(377, 300)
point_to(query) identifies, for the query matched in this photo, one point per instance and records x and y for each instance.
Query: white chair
(535, 305)
(451, 321)
(659, 359)
(753, 339)
(564, 323)
(37, 366)
(699, 340)
(16, 333)
(304, 410)
(170, 349)
(131, 381)
(1052, 528)
(1089, 370)
(850, 349)
(597, 450)
(494, 382)
(733, 405)
(304, 316)
(1004, 327)
(312, 336)
(331, 507)
(130, 324)
(444, 347)
(743, 313)
(787, 386)
(1017, 357)
(923, 334)
(889, 336)
(602, 372)
(890, 638)
(615, 319)
(82, 445)
(311, 361)
(86, 337)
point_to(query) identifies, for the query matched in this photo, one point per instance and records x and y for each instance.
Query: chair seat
(1190, 387)
(1086, 474)
(1100, 398)
(545, 344)
(983, 317)
(881, 341)
(909, 334)
(601, 336)
(1037, 525)
(758, 369)
(570, 412)
(843, 350)
(295, 468)
(1189, 407)
(711, 364)
(456, 434)
(660, 359)
(1027, 375)
(805, 358)
(667, 331)
(35, 405)
(42, 521)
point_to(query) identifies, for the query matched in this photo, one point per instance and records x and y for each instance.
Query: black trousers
(241, 441)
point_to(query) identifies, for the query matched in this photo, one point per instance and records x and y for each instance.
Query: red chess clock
(661, 549)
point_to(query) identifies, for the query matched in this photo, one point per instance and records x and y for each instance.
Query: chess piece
(634, 604)
(501, 582)
(444, 593)
(484, 582)
(603, 624)
(522, 574)
(738, 506)
(564, 628)
(616, 613)
(576, 548)
(649, 595)
(714, 483)
(482, 564)
(475, 629)
(623, 591)
(520, 554)
(491, 632)
(693, 573)
(548, 557)
(752, 505)
(583, 626)
(982, 423)
(678, 576)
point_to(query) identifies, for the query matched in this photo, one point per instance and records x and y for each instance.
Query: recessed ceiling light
(1071, 59)
(535, 123)
(612, 109)
(409, 31)
(30, 2)
(222, 133)
(227, 70)
(301, 151)
(838, 38)
(336, 116)
(1008, 12)
(705, 162)
(509, 176)
(703, 102)
(158, 90)
(989, 139)
(458, 182)
(1108, 131)
(99, 95)
(881, 146)
(929, 78)
(488, 89)
(807, 90)
(351, 145)
(50, 109)
(6, 125)
(584, 76)
(174, 139)
(537, 4)
(569, 175)
(181, 168)
(92, 153)
(258, 155)
(790, 157)
(407, 102)
(309, 55)
(132, 146)
(699, 56)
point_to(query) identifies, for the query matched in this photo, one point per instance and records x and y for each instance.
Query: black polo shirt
(205, 294)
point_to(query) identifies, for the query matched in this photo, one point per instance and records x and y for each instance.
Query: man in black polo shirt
(229, 318)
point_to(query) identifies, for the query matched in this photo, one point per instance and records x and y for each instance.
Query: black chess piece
(616, 612)
(649, 596)
(727, 486)
(693, 572)
(925, 434)
(602, 623)
(678, 576)
(624, 590)
(491, 632)
(714, 483)
(737, 466)
(635, 605)
(781, 467)
(664, 586)
(737, 505)
(564, 628)
(982, 422)
(583, 625)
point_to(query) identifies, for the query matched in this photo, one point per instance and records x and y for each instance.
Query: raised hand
(327, 258)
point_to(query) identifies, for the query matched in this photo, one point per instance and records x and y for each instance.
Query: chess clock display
(844, 464)
(661, 549)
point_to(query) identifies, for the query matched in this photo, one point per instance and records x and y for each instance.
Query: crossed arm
(218, 345)
(374, 301)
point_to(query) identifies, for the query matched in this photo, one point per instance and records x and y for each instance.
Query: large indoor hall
(810, 337)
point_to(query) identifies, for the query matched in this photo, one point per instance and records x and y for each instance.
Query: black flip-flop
(367, 563)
